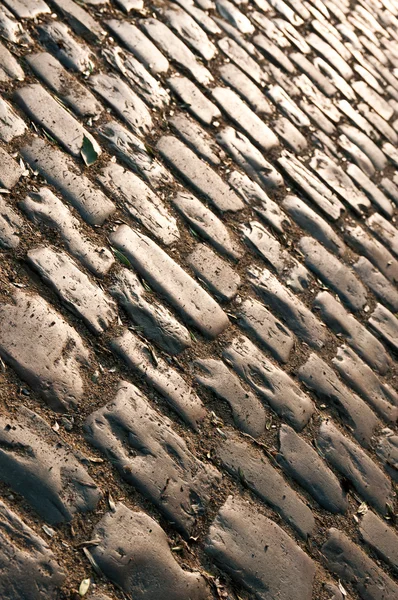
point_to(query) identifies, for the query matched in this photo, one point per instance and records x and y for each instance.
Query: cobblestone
(353, 565)
(10, 171)
(35, 463)
(155, 459)
(381, 396)
(43, 349)
(62, 173)
(74, 288)
(132, 543)
(259, 554)
(166, 276)
(354, 464)
(198, 174)
(302, 462)
(44, 207)
(139, 201)
(357, 336)
(380, 537)
(273, 385)
(214, 272)
(68, 88)
(29, 569)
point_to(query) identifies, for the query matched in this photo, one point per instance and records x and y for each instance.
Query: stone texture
(61, 172)
(387, 451)
(357, 336)
(175, 49)
(11, 225)
(255, 196)
(11, 125)
(380, 537)
(355, 465)
(303, 463)
(139, 201)
(36, 463)
(256, 472)
(312, 186)
(334, 176)
(171, 281)
(155, 459)
(9, 66)
(187, 28)
(82, 23)
(312, 223)
(370, 189)
(141, 81)
(124, 101)
(353, 566)
(44, 207)
(368, 147)
(10, 171)
(258, 554)
(384, 291)
(139, 45)
(242, 85)
(214, 272)
(290, 135)
(385, 231)
(134, 154)
(77, 292)
(386, 325)
(361, 378)
(207, 224)
(247, 411)
(134, 553)
(29, 568)
(289, 308)
(374, 251)
(244, 62)
(43, 349)
(197, 139)
(270, 332)
(249, 158)
(198, 174)
(273, 385)
(159, 375)
(150, 317)
(56, 37)
(293, 273)
(64, 84)
(254, 127)
(49, 114)
(193, 99)
(357, 416)
(333, 273)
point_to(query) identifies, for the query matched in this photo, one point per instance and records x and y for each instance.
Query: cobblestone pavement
(198, 299)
